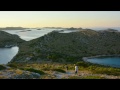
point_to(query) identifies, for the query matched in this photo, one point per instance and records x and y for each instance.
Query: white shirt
(76, 68)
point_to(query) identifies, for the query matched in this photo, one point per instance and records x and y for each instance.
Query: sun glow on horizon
(83, 19)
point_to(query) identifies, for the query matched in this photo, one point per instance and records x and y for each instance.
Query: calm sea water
(30, 34)
(107, 61)
(6, 54)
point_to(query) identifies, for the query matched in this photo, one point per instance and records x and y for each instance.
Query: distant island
(110, 30)
(13, 28)
(38, 29)
(72, 28)
(53, 27)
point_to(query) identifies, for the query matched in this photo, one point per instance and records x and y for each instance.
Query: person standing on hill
(66, 68)
(76, 69)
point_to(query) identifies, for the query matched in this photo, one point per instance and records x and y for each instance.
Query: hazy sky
(60, 18)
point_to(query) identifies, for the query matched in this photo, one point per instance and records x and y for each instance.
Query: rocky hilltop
(69, 47)
(9, 40)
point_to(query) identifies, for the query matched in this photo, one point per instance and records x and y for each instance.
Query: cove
(113, 61)
(6, 54)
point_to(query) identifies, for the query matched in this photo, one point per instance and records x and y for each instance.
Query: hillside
(69, 47)
(9, 39)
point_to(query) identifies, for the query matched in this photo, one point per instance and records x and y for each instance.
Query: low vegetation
(86, 77)
(59, 70)
(2, 67)
(69, 47)
(12, 65)
(99, 69)
(9, 39)
(45, 69)
(34, 70)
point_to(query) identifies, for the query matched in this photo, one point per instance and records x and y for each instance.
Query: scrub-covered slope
(69, 47)
(7, 39)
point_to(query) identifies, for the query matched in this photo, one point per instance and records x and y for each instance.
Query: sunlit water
(107, 61)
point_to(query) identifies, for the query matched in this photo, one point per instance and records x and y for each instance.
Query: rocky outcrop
(18, 74)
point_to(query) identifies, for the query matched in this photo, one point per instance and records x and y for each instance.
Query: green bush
(59, 70)
(36, 71)
(83, 64)
(13, 65)
(46, 69)
(2, 67)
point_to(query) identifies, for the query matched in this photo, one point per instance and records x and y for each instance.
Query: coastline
(114, 55)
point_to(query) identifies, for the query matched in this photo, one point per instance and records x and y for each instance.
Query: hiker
(66, 67)
(76, 69)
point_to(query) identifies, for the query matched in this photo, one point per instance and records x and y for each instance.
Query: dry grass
(18, 71)
(2, 77)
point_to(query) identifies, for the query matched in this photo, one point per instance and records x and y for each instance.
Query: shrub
(2, 67)
(59, 70)
(13, 65)
(34, 70)
(83, 64)
(46, 69)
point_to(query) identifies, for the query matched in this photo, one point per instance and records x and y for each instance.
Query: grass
(98, 69)
(47, 77)
(2, 77)
(60, 67)
(108, 71)
(86, 77)
(92, 77)
(18, 71)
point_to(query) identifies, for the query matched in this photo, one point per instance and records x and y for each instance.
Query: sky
(33, 19)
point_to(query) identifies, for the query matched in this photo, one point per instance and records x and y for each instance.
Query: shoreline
(85, 58)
